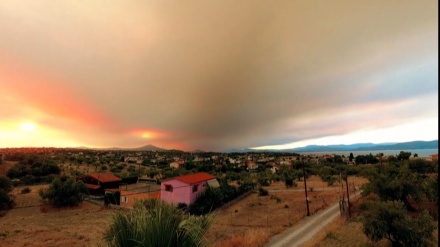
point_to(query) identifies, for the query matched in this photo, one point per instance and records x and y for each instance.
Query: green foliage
(421, 166)
(388, 220)
(403, 155)
(432, 189)
(351, 157)
(393, 182)
(34, 169)
(155, 223)
(5, 184)
(366, 159)
(64, 192)
(328, 174)
(213, 198)
(5, 200)
(208, 201)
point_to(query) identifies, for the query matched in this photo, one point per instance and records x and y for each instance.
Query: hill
(371, 146)
(350, 147)
(143, 148)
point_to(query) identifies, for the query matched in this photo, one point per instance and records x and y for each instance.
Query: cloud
(220, 75)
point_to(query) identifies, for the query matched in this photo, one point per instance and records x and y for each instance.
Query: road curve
(306, 228)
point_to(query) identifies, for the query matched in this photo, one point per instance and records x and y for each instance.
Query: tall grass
(156, 223)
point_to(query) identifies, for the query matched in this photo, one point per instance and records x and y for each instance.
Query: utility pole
(342, 183)
(348, 197)
(305, 188)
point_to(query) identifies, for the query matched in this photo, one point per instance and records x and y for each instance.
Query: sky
(217, 75)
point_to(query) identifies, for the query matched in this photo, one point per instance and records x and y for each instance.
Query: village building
(130, 193)
(177, 164)
(185, 189)
(98, 183)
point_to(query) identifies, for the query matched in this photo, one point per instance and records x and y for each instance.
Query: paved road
(306, 228)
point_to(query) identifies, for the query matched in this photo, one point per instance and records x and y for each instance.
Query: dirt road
(307, 228)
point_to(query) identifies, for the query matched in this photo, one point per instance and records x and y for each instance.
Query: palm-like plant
(156, 223)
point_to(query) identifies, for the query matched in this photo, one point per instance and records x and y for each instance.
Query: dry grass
(250, 237)
(29, 224)
(253, 220)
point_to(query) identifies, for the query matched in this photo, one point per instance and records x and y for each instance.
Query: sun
(28, 127)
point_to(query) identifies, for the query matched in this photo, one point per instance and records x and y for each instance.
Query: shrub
(5, 184)
(5, 200)
(288, 182)
(156, 223)
(25, 190)
(263, 192)
(64, 192)
(182, 206)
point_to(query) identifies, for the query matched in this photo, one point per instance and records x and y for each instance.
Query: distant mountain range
(353, 147)
(313, 148)
(143, 148)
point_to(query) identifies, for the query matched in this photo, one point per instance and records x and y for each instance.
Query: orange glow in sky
(245, 74)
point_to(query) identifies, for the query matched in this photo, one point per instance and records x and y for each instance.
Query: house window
(195, 188)
(168, 188)
(124, 199)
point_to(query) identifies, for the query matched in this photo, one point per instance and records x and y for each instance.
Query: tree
(388, 220)
(64, 192)
(5, 184)
(351, 157)
(395, 183)
(403, 155)
(5, 200)
(156, 223)
(207, 201)
(432, 189)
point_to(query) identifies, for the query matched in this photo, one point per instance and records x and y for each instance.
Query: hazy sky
(215, 75)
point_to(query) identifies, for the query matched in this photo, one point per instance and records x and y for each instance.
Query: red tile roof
(195, 178)
(105, 177)
(92, 186)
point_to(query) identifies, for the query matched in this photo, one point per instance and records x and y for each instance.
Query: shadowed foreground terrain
(249, 222)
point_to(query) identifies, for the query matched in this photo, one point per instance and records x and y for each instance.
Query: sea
(422, 153)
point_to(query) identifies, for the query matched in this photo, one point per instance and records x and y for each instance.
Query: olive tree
(64, 192)
(389, 220)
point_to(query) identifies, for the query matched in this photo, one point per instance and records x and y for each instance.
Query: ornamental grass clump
(156, 223)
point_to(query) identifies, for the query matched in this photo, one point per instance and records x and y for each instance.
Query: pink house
(186, 189)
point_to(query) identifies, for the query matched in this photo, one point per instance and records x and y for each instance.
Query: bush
(5, 184)
(25, 190)
(156, 223)
(64, 192)
(263, 192)
(182, 206)
(5, 200)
